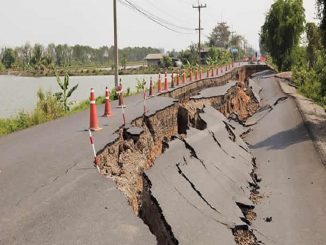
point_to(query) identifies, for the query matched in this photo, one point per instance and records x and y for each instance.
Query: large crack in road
(197, 183)
(130, 162)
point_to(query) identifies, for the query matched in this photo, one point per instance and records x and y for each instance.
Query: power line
(158, 18)
(167, 13)
(160, 21)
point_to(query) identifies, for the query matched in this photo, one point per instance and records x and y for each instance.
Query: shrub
(47, 108)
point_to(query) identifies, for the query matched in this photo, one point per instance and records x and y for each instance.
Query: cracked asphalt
(50, 193)
(198, 182)
(293, 182)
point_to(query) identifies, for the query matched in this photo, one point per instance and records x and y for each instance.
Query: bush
(47, 108)
(167, 62)
(113, 94)
(310, 83)
(2, 67)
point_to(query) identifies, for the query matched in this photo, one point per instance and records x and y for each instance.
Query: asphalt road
(51, 194)
(293, 178)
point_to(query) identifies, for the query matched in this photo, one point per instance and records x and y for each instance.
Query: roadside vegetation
(39, 60)
(297, 46)
(222, 47)
(51, 106)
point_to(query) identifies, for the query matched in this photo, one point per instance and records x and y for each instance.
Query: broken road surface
(293, 183)
(198, 191)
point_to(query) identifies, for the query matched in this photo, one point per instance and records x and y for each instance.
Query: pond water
(19, 93)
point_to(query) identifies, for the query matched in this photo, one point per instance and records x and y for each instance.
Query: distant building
(154, 59)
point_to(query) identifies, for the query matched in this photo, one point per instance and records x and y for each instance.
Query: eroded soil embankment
(137, 147)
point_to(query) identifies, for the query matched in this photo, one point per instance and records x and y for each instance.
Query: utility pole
(116, 55)
(199, 7)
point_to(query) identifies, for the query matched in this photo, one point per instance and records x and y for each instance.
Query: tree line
(293, 44)
(223, 45)
(63, 55)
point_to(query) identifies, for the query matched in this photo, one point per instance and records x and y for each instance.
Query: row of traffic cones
(93, 122)
(180, 78)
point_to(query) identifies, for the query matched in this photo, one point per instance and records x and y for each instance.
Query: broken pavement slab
(196, 186)
(215, 91)
(256, 89)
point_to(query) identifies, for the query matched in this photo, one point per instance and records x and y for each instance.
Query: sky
(91, 22)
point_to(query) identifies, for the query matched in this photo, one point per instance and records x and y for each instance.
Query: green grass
(47, 109)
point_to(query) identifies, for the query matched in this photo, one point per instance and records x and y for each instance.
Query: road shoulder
(314, 117)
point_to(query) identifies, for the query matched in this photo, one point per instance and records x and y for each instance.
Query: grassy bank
(47, 109)
(86, 71)
(90, 71)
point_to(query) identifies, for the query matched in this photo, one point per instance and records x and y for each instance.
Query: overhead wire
(167, 13)
(158, 20)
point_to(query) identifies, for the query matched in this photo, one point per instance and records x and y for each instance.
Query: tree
(321, 4)
(8, 58)
(50, 52)
(218, 56)
(314, 43)
(236, 41)
(27, 54)
(281, 31)
(66, 92)
(124, 61)
(189, 55)
(63, 55)
(167, 61)
(37, 54)
(2, 67)
(220, 36)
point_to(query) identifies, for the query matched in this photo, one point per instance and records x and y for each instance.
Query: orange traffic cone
(166, 82)
(178, 78)
(184, 76)
(107, 107)
(159, 84)
(119, 91)
(196, 74)
(207, 73)
(190, 75)
(172, 80)
(212, 75)
(93, 122)
(151, 90)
